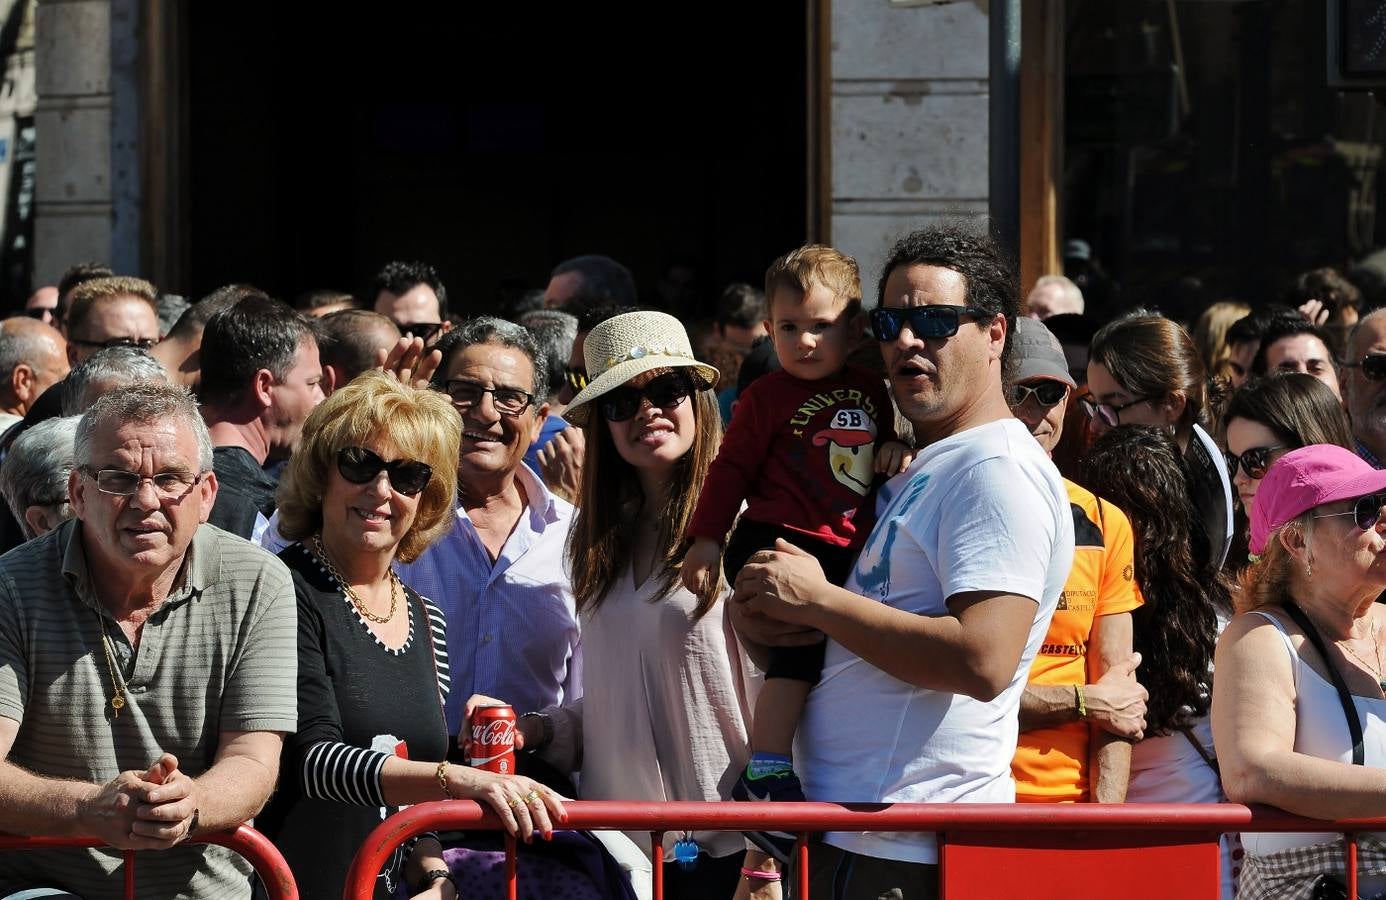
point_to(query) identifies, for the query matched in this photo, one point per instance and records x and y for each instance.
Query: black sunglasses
(360, 466)
(1254, 461)
(665, 392)
(141, 343)
(425, 330)
(1373, 366)
(38, 312)
(1047, 393)
(576, 378)
(925, 321)
(1365, 512)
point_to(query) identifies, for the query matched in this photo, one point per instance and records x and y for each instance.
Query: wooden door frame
(1041, 139)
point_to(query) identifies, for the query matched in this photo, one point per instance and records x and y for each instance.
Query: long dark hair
(1140, 469)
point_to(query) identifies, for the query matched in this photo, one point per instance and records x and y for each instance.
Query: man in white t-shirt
(931, 638)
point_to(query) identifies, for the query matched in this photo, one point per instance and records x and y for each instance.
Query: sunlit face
(1046, 423)
(111, 318)
(293, 398)
(655, 438)
(493, 443)
(1051, 300)
(371, 517)
(417, 306)
(1136, 411)
(141, 532)
(1244, 435)
(1341, 552)
(812, 332)
(1303, 353)
(934, 380)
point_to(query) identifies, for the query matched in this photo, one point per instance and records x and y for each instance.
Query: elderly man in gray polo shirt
(147, 665)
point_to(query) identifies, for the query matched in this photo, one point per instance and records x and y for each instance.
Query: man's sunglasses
(1047, 393)
(1365, 512)
(424, 330)
(1373, 366)
(360, 466)
(1254, 461)
(925, 321)
(665, 392)
(141, 343)
(576, 378)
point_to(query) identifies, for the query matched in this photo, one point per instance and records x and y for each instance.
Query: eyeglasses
(466, 394)
(665, 392)
(1365, 512)
(120, 483)
(142, 343)
(1047, 393)
(1109, 414)
(925, 321)
(1254, 461)
(360, 466)
(1373, 366)
(576, 378)
(425, 330)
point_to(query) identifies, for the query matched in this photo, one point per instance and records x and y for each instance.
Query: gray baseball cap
(1036, 353)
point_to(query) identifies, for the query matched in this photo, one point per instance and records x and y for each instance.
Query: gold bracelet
(442, 775)
(1081, 701)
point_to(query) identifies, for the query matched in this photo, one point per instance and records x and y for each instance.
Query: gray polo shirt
(219, 655)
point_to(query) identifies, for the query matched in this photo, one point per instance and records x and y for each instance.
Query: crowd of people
(266, 560)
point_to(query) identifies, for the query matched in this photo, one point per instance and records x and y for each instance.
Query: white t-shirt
(983, 510)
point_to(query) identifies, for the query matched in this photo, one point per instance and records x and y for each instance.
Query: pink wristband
(763, 876)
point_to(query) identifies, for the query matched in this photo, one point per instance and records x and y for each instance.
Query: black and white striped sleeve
(438, 634)
(343, 773)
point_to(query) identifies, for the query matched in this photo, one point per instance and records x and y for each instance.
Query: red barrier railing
(253, 846)
(1145, 845)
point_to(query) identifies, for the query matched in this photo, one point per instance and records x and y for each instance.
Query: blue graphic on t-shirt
(876, 580)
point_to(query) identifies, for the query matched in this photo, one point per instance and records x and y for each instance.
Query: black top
(353, 694)
(243, 489)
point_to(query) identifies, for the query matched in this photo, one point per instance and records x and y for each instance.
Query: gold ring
(514, 803)
(531, 796)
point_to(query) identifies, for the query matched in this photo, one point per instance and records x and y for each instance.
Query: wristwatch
(430, 877)
(545, 731)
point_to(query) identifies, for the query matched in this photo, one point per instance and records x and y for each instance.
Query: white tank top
(1321, 730)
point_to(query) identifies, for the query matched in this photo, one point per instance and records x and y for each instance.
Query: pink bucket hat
(1305, 478)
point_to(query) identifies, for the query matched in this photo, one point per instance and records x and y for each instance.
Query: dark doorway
(493, 141)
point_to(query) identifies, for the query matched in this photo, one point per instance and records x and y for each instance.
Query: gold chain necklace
(117, 691)
(356, 601)
(1378, 668)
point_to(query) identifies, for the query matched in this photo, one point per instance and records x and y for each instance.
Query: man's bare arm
(231, 792)
(1109, 756)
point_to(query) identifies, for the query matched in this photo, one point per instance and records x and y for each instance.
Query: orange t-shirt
(1051, 764)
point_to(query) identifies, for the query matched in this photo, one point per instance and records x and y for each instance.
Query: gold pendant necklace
(1376, 670)
(117, 688)
(351, 595)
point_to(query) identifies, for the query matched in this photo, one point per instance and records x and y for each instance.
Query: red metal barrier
(985, 849)
(253, 846)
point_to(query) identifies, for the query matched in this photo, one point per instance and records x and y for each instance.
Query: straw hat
(625, 346)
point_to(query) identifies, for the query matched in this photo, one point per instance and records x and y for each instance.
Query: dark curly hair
(987, 271)
(1140, 469)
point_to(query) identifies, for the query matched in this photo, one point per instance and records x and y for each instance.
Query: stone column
(74, 219)
(908, 121)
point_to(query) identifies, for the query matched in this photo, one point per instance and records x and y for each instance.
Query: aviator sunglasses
(925, 321)
(1254, 461)
(1373, 366)
(1047, 393)
(360, 466)
(1365, 512)
(665, 393)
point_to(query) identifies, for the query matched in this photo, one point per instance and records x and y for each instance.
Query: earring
(1308, 570)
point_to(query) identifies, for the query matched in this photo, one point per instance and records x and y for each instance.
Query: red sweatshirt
(800, 453)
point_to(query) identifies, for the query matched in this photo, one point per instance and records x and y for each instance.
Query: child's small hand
(702, 566)
(892, 458)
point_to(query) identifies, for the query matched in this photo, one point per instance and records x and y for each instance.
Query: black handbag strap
(1344, 697)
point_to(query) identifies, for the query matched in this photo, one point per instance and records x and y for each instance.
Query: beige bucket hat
(625, 346)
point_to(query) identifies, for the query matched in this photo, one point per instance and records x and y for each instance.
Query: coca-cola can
(492, 742)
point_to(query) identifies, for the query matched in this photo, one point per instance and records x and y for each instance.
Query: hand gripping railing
(1036, 851)
(257, 850)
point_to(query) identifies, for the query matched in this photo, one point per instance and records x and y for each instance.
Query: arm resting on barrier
(228, 794)
(1254, 729)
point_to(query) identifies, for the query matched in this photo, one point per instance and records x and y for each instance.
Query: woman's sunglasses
(1365, 512)
(665, 392)
(1047, 393)
(1373, 366)
(925, 321)
(360, 466)
(1254, 461)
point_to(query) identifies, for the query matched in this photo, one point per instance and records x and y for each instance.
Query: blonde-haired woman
(1299, 713)
(372, 483)
(665, 684)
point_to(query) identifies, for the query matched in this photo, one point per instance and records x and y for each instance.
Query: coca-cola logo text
(495, 733)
